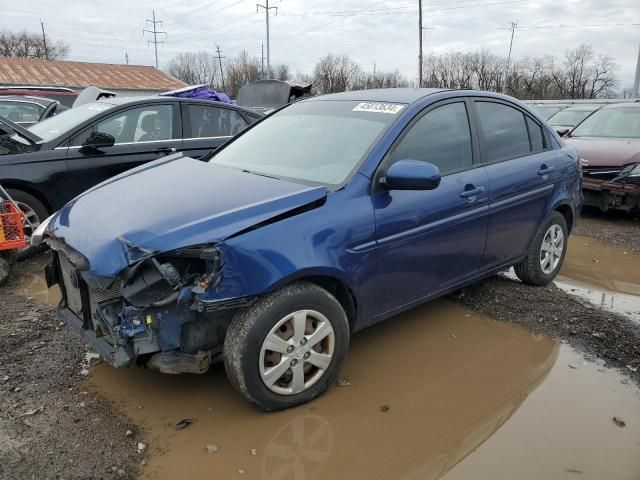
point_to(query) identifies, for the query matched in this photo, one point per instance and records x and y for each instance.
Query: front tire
(545, 257)
(288, 347)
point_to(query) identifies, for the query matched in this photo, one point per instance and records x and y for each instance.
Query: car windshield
(546, 111)
(611, 122)
(319, 141)
(62, 123)
(569, 118)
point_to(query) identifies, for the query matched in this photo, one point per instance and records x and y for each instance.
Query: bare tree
(239, 71)
(196, 68)
(31, 45)
(335, 73)
(281, 71)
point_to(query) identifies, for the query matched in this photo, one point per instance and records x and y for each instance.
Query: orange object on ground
(11, 227)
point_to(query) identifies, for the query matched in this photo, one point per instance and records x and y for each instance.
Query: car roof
(44, 102)
(398, 95)
(623, 105)
(162, 99)
(589, 108)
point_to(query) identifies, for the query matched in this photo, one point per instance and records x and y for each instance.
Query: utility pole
(636, 83)
(506, 73)
(126, 57)
(155, 33)
(420, 43)
(220, 57)
(262, 62)
(266, 11)
(44, 41)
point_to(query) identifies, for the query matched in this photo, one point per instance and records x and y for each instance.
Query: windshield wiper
(258, 173)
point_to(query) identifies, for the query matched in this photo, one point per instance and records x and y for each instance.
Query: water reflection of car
(569, 118)
(56, 159)
(26, 110)
(289, 238)
(547, 110)
(609, 144)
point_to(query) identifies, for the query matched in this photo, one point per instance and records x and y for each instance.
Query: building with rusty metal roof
(125, 80)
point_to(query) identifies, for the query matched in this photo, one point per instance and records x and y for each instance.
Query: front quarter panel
(334, 240)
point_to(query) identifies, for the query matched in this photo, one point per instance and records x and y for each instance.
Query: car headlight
(38, 233)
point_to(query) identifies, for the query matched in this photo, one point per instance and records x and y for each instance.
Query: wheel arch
(331, 282)
(567, 211)
(30, 189)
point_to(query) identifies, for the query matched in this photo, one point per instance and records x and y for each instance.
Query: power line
(155, 33)
(266, 13)
(576, 26)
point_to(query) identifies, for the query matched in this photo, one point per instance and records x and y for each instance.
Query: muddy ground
(50, 426)
(503, 394)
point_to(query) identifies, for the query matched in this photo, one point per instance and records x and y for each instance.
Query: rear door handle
(544, 170)
(472, 192)
(165, 150)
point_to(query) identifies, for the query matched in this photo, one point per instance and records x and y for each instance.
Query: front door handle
(165, 150)
(471, 192)
(544, 170)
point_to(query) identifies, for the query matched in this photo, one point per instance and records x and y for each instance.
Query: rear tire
(308, 332)
(35, 211)
(545, 257)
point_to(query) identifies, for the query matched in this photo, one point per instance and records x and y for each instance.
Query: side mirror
(563, 131)
(412, 175)
(97, 140)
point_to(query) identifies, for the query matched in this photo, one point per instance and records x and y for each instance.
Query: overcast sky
(369, 31)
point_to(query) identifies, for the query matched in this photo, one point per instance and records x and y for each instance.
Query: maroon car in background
(66, 96)
(609, 144)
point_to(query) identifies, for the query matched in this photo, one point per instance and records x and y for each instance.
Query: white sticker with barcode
(391, 108)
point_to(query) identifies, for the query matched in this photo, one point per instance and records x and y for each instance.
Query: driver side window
(142, 124)
(441, 137)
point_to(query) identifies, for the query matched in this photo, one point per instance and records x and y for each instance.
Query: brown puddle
(607, 267)
(452, 380)
(31, 282)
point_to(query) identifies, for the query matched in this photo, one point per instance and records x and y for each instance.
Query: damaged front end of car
(152, 312)
(615, 188)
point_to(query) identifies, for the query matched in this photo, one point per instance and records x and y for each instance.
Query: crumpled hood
(606, 152)
(169, 204)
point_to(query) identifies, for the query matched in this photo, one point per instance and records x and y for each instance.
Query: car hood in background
(168, 204)
(606, 152)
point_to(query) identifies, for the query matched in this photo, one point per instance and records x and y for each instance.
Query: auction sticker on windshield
(392, 108)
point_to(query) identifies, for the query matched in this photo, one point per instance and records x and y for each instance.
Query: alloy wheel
(296, 352)
(551, 249)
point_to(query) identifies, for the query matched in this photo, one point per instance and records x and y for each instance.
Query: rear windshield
(611, 122)
(66, 121)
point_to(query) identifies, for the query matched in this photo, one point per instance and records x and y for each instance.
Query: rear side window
(441, 137)
(535, 133)
(209, 121)
(504, 130)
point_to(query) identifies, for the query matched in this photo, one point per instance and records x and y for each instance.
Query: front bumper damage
(612, 188)
(170, 329)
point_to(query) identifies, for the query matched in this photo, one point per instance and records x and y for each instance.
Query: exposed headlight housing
(177, 276)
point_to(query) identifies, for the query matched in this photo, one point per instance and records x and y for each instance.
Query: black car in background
(26, 110)
(53, 161)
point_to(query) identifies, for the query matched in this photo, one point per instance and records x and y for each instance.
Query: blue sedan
(328, 216)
